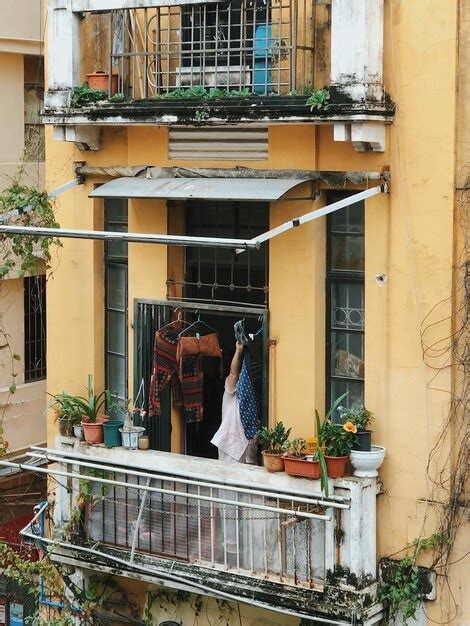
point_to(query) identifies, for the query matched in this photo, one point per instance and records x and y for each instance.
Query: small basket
(130, 438)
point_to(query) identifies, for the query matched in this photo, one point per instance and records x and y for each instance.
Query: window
(345, 304)
(115, 213)
(34, 328)
(33, 105)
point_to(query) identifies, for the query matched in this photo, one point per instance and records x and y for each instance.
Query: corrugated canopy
(254, 189)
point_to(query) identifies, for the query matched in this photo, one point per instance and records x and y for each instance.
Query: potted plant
(338, 440)
(297, 464)
(272, 442)
(366, 463)
(100, 80)
(66, 412)
(91, 411)
(361, 418)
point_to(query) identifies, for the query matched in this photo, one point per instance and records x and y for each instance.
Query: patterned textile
(249, 415)
(165, 368)
(192, 387)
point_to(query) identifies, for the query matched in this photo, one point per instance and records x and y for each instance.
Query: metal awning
(253, 189)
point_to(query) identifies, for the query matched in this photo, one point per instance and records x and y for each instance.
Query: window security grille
(263, 46)
(34, 328)
(215, 275)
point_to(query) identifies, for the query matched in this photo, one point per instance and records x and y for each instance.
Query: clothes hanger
(198, 321)
(178, 320)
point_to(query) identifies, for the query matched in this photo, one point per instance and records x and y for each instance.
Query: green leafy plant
(338, 438)
(321, 441)
(403, 583)
(93, 404)
(87, 95)
(318, 99)
(273, 440)
(117, 97)
(65, 407)
(26, 206)
(200, 116)
(241, 93)
(359, 416)
(296, 448)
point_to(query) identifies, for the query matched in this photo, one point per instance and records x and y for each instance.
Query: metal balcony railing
(232, 529)
(247, 46)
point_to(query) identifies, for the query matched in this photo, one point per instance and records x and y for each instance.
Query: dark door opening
(221, 287)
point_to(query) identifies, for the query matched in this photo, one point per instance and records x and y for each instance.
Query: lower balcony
(229, 531)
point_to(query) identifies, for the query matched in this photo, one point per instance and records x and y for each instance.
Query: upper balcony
(232, 531)
(192, 62)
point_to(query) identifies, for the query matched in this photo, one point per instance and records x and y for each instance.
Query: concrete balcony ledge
(223, 530)
(201, 111)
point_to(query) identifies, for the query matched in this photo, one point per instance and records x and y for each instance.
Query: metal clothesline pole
(240, 245)
(313, 215)
(169, 240)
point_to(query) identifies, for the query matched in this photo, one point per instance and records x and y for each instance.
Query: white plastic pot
(366, 464)
(78, 432)
(130, 438)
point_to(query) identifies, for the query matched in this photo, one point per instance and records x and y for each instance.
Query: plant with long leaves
(93, 404)
(321, 456)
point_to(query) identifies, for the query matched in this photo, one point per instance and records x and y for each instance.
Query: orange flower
(350, 427)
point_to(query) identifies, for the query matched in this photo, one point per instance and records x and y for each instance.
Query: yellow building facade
(414, 245)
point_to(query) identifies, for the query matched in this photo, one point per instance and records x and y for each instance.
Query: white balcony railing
(240, 530)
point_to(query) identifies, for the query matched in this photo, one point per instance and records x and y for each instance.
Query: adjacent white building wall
(21, 26)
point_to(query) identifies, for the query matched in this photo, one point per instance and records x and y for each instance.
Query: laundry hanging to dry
(180, 358)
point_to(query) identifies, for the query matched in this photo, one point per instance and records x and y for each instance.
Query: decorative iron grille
(34, 328)
(247, 46)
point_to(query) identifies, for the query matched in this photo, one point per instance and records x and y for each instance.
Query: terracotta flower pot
(336, 466)
(100, 80)
(302, 468)
(273, 462)
(93, 431)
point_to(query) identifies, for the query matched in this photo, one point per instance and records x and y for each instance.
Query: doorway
(150, 316)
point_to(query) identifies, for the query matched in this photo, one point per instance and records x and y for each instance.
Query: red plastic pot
(336, 466)
(100, 80)
(302, 468)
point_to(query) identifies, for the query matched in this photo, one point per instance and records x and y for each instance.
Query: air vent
(219, 144)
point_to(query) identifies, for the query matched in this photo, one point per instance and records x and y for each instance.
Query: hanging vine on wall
(24, 205)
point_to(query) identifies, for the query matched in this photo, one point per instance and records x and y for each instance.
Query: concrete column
(357, 48)
(63, 53)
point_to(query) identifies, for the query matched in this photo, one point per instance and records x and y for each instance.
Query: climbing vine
(21, 205)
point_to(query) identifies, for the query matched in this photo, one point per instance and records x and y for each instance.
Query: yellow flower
(350, 427)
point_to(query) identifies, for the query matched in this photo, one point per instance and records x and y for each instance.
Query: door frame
(163, 437)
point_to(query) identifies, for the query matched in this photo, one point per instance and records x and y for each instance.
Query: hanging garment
(230, 438)
(249, 414)
(205, 345)
(164, 369)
